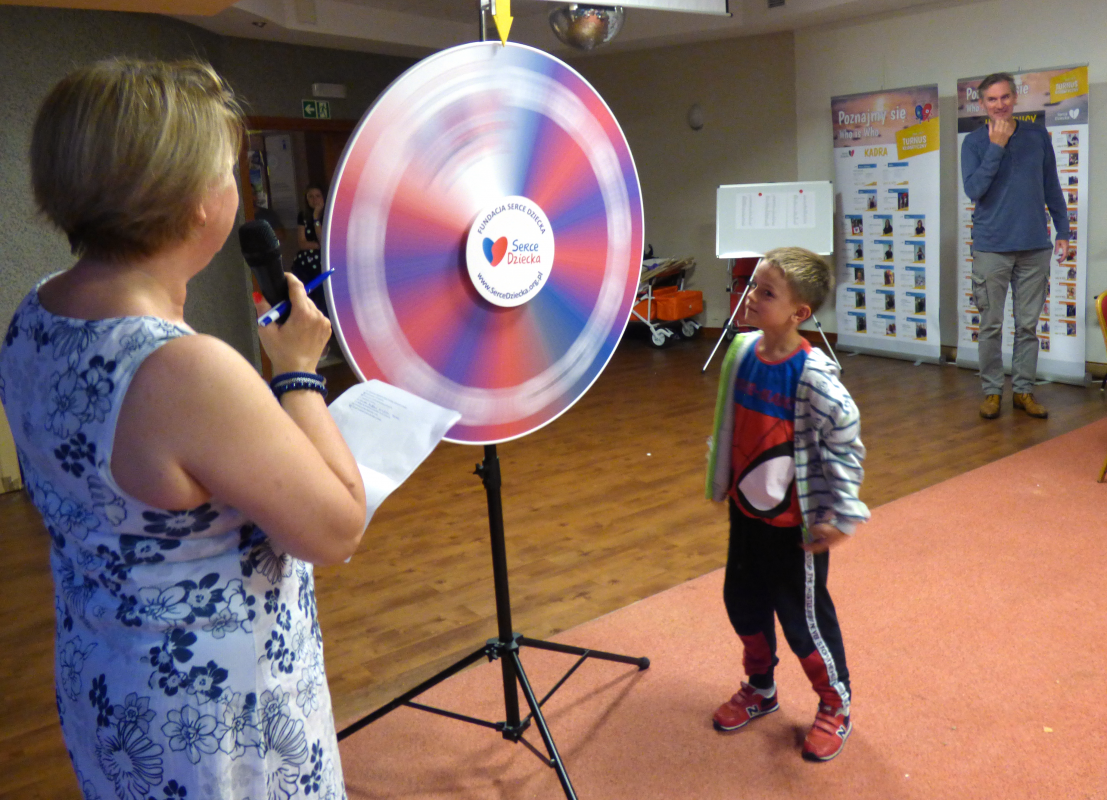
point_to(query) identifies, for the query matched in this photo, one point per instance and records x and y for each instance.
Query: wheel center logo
(510, 251)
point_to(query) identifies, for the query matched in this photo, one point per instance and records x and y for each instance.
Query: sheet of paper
(776, 210)
(390, 432)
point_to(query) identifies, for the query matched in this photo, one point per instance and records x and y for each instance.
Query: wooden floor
(601, 508)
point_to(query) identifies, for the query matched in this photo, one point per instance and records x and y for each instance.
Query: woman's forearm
(309, 411)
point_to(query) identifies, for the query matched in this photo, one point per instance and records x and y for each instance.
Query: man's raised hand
(1000, 130)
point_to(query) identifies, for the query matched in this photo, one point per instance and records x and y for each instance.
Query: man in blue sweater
(1010, 172)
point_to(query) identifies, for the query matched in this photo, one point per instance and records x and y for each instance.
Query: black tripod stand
(506, 648)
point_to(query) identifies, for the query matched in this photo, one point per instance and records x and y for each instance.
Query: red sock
(758, 660)
(815, 668)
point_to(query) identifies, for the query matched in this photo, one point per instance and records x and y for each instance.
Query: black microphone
(262, 252)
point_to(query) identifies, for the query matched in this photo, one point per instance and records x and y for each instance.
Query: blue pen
(275, 312)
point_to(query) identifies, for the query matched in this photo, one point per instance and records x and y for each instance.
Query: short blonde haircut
(123, 150)
(809, 276)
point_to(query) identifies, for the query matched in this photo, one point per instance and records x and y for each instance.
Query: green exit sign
(316, 109)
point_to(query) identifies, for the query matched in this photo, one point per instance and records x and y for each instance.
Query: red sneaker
(828, 735)
(747, 704)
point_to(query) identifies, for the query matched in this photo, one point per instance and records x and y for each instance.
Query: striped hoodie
(827, 441)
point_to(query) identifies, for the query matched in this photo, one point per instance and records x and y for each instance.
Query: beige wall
(766, 103)
(40, 45)
(747, 90)
(940, 46)
(37, 47)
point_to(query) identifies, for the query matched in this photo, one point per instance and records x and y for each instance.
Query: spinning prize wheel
(485, 225)
(485, 228)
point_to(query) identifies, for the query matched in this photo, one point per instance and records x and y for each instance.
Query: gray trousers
(1027, 273)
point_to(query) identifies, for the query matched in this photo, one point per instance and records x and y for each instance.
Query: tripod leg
(506, 648)
(403, 699)
(557, 647)
(489, 472)
(726, 327)
(540, 721)
(512, 721)
(829, 349)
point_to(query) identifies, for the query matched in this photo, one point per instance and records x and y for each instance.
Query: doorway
(280, 158)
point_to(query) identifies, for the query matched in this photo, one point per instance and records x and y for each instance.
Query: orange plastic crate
(677, 305)
(647, 309)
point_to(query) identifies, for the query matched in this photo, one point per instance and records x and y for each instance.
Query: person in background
(186, 499)
(786, 455)
(309, 227)
(1010, 172)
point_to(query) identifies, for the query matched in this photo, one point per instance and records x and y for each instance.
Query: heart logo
(494, 251)
(851, 152)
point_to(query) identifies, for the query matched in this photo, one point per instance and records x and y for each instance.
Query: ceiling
(418, 27)
(205, 7)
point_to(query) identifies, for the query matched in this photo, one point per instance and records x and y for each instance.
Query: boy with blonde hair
(786, 455)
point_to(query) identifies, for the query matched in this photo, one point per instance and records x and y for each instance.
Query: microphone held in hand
(262, 252)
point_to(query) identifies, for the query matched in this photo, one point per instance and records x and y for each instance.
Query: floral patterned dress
(189, 661)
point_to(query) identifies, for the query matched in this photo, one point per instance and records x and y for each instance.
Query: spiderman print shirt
(764, 448)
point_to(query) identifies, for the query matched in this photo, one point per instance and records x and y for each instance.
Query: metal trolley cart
(663, 304)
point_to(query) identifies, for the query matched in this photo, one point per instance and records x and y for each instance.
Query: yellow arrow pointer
(501, 14)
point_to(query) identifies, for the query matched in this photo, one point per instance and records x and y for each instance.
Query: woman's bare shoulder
(190, 397)
(198, 354)
(196, 370)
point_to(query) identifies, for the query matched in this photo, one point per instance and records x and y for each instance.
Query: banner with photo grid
(887, 181)
(1056, 99)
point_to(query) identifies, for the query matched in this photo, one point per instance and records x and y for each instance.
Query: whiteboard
(753, 218)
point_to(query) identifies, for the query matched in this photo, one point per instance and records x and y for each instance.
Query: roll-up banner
(887, 208)
(1056, 99)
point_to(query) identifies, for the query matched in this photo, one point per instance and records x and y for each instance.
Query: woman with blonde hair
(186, 499)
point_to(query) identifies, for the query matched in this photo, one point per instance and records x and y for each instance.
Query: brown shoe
(989, 409)
(1028, 404)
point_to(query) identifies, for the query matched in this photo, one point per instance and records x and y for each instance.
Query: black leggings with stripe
(767, 574)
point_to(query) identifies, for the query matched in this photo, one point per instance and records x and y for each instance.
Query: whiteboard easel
(753, 218)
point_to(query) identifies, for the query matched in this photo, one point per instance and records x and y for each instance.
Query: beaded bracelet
(292, 381)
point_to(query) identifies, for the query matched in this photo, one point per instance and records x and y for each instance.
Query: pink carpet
(975, 623)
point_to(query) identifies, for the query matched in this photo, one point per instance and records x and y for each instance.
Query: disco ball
(586, 27)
